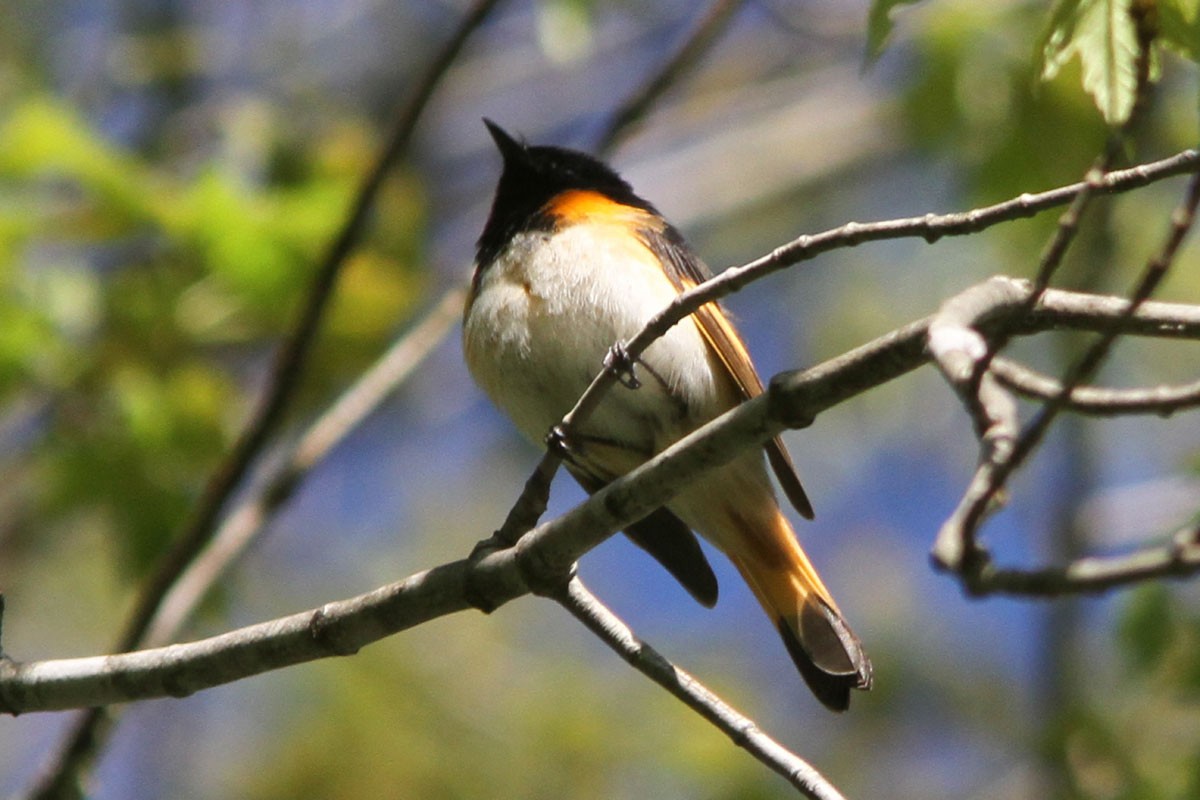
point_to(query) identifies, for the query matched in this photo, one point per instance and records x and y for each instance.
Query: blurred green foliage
(977, 100)
(1103, 35)
(880, 23)
(1142, 743)
(141, 302)
(1179, 25)
(517, 725)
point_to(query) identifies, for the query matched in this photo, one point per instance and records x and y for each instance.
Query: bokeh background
(170, 173)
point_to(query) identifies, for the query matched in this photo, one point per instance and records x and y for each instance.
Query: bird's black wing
(670, 542)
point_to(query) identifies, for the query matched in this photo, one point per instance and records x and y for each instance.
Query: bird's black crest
(532, 176)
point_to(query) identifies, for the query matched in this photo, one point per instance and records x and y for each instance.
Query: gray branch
(541, 561)
(1094, 400)
(741, 730)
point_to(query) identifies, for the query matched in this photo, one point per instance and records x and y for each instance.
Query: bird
(571, 262)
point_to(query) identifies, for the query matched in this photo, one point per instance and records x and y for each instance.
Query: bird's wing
(686, 270)
(671, 543)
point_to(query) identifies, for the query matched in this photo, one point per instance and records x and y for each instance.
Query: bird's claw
(622, 365)
(558, 442)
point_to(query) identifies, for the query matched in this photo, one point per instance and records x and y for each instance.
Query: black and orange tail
(828, 654)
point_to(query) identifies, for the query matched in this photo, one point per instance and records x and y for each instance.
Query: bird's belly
(546, 313)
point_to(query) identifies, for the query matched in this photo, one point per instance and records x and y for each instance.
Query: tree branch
(956, 547)
(1003, 445)
(741, 730)
(1179, 558)
(705, 33)
(542, 560)
(1160, 400)
(289, 360)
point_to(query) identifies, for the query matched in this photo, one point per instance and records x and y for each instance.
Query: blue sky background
(780, 133)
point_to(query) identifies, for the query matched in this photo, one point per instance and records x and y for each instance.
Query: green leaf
(880, 25)
(1103, 34)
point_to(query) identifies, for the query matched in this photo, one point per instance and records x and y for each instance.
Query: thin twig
(741, 730)
(1159, 400)
(1180, 558)
(705, 33)
(955, 544)
(60, 778)
(1068, 225)
(1002, 450)
(930, 227)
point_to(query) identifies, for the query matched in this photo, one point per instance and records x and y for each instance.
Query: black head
(532, 176)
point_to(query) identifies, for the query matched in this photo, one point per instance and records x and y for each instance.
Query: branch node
(175, 686)
(1185, 543)
(946, 554)
(999, 438)
(543, 577)
(969, 560)
(326, 636)
(978, 572)
(8, 676)
(958, 350)
(473, 591)
(786, 403)
(743, 733)
(932, 230)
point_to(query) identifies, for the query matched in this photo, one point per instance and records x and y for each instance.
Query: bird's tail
(828, 654)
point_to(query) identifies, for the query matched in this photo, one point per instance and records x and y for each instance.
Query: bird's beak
(510, 148)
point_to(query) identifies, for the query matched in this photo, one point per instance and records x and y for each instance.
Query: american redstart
(570, 262)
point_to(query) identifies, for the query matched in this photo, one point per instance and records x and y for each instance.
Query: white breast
(546, 313)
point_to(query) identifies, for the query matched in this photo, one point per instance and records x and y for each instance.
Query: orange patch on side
(580, 205)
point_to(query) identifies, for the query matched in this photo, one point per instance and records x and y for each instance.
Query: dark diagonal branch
(703, 35)
(60, 777)
(289, 360)
(741, 730)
